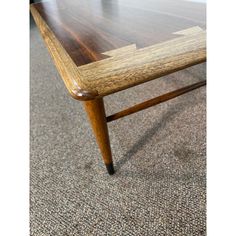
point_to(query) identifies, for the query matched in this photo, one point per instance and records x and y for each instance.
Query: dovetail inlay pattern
(100, 49)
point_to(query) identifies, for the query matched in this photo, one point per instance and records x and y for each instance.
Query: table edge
(63, 62)
(79, 79)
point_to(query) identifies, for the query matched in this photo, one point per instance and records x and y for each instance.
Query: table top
(103, 46)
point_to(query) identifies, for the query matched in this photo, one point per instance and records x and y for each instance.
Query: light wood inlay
(131, 67)
(88, 72)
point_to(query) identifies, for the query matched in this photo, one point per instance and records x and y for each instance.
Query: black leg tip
(110, 169)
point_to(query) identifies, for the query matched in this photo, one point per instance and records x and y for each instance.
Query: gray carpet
(159, 155)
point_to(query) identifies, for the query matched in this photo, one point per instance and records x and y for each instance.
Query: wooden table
(104, 46)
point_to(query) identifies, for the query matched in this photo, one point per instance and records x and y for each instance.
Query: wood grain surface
(97, 116)
(101, 47)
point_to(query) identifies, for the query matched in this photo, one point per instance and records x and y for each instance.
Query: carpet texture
(159, 156)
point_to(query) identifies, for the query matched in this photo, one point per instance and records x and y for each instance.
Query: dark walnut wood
(101, 47)
(88, 28)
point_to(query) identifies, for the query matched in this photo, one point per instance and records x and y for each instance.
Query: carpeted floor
(159, 155)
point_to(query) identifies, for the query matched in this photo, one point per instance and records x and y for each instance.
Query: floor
(159, 155)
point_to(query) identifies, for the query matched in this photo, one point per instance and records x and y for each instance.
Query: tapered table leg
(97, 116)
